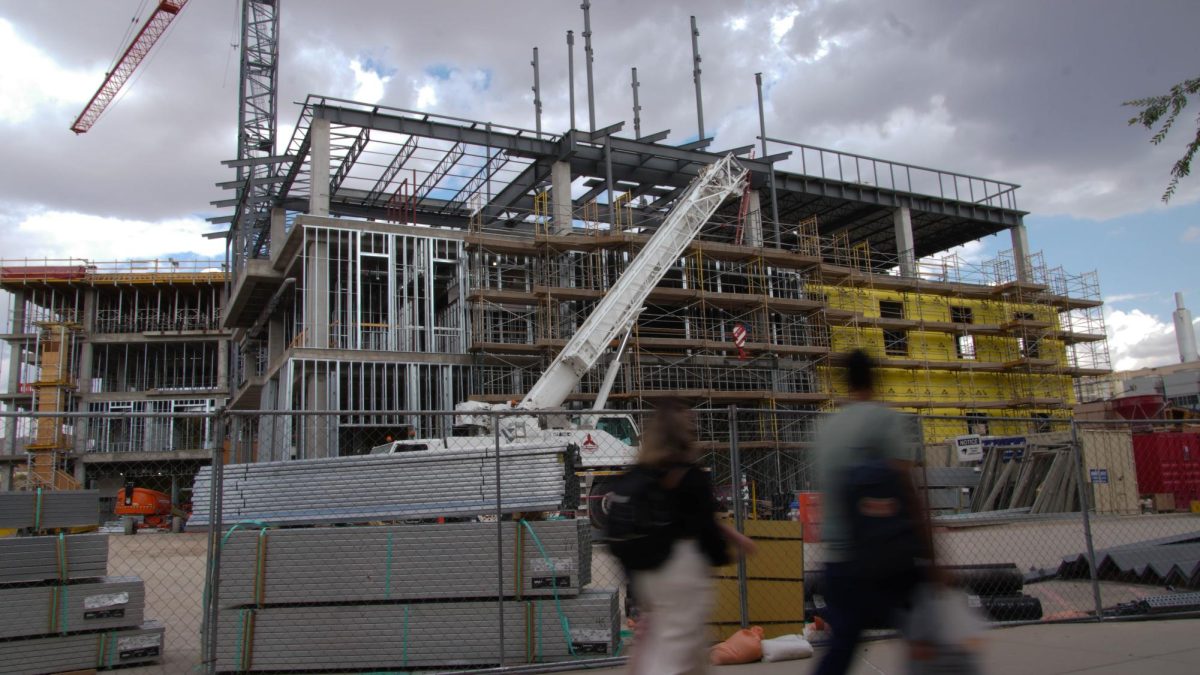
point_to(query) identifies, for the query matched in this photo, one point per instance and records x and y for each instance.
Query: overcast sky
(1026, 91)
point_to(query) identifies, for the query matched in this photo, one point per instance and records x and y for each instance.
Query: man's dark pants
(853, 606)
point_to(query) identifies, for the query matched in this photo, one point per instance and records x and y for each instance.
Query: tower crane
(143, 42)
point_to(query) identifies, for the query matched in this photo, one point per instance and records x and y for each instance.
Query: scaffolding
(53, 392)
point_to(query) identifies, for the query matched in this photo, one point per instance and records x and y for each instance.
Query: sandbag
(786, 648)
(744, 646)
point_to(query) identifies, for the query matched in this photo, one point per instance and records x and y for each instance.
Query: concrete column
(1020, 247)
(316, 295)
(902, 217)
(88, 319)
(6, 478)
(80, 473)
(318, 199)
(317, 441)
(18, 312)
(278, 232)
(753, 235)
(560, 196)
(87, 352)
(223, 365)
(276, 339)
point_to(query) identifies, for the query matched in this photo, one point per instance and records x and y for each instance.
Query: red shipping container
(1168, 462)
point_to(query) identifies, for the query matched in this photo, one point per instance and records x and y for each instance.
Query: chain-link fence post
(228, 428)
(499, 539)
(1085, 507)
(739, 515)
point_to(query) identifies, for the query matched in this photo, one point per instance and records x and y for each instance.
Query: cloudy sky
(1026, 91)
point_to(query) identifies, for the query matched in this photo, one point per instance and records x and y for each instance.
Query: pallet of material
(43, 509)
(404, 562)
(96, 604)
(388, 637)
(80, 651)
(534, 477)
(78, 556)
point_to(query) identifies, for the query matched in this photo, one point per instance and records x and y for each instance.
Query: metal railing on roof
(848, 167)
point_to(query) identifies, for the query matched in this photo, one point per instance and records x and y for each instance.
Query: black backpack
(642, 522)
(886, 545)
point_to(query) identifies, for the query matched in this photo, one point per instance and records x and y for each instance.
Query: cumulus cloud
(58, 234)
(33, 83)
(1137, 339)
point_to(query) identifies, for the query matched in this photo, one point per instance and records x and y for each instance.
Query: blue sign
(1098, 476)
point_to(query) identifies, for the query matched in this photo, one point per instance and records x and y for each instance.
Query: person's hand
(746, 545)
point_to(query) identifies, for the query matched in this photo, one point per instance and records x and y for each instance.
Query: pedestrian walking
(663, 527)
(878, 546)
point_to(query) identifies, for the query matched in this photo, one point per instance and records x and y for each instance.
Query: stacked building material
(947, 489)
(391, 487)
(399, 596)
(44, 509)
(392, 636)
(404, 562)
(1173, 561)
(61, 613)
(1041, 475)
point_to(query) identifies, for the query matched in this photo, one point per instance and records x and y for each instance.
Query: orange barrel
(810, 515)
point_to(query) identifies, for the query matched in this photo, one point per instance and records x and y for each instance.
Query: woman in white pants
(677, 598)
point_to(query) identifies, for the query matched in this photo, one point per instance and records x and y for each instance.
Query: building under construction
(134, 350)
(406, 261)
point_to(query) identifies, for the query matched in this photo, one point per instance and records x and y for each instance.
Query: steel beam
(512, 143)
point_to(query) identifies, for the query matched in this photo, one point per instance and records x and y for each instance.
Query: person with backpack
(663, 529)
(877, 541)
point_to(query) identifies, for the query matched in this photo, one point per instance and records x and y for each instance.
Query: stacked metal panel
(96, 604)
(391, 487)
(49, 509)
(428, 634)
(79, 556)
(61, 613)
(80, 651)
(404, 562)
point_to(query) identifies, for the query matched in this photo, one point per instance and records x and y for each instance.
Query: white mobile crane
(606, 442)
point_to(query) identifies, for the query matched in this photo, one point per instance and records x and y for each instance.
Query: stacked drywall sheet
(409, 635)
(367, 488)
(81, 651)
(58, 612)
(80, 556)
(404, 562)
(42, 509)
(94, 604)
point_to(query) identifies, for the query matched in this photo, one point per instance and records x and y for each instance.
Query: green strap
(562, 617)
(61, 550)
(112, 643)
(245, 643)
(238, 525)
(387, 578)
(37, 511)
(260, 572)
(64, 619)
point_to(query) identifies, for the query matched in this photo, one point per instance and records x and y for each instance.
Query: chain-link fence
(279, 541)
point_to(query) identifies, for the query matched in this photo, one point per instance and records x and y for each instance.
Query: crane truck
(606, 442)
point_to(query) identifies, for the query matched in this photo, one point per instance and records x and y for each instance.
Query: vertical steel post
(499, 538)
(1083, 484)
(762, 134)
(537, 93)
(739, 515)
(696, 78)
(571, 74)
(216, 510)
(612, 208)
(587, 49)
(637, 118)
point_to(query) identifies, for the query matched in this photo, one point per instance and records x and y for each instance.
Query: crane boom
(624, 299)
(153, 29)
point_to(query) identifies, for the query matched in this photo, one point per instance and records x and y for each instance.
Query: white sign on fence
(970, 447)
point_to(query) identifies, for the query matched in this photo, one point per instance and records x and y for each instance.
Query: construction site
(438, 339)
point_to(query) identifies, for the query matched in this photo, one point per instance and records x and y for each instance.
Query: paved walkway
(1166, 647)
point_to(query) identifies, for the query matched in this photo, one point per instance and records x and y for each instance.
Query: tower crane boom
(133, 55)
